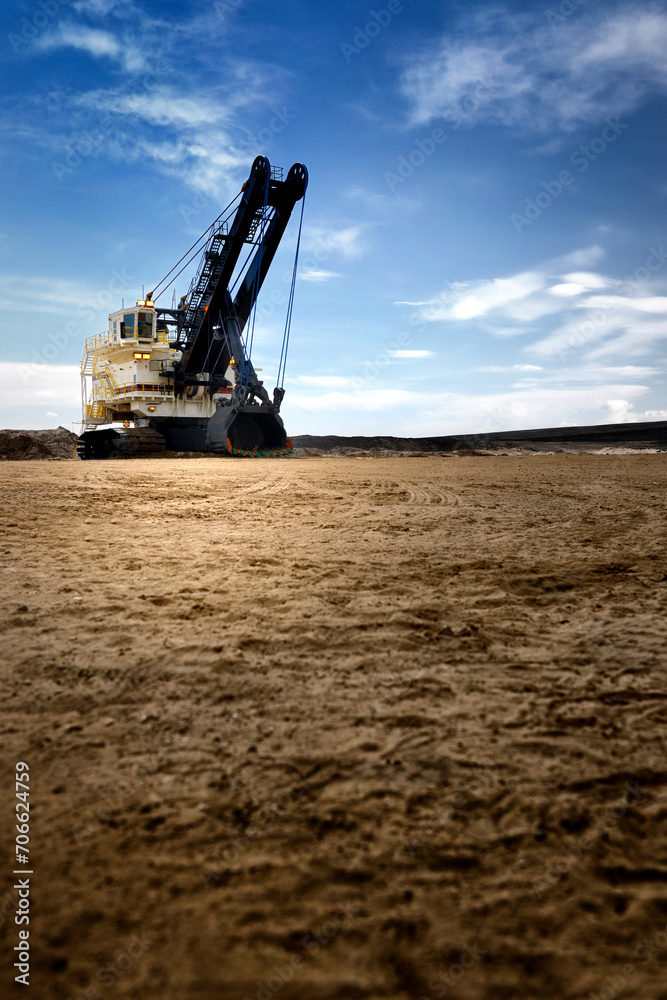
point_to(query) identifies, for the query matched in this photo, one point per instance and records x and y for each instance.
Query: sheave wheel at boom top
(182, 378)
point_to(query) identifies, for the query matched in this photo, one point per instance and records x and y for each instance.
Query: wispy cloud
(350, 242)
(196, 135)
(165, 105)
(381, 203)
(412, 354)
(145, 103)
(53, 296)
(319, 276)
(614, 327)
(516, 71)
(593, 374)
(323, 380)
(99, 8)
(24, 385)
(621, 411)
(564, 311)
(450, 413)
(97, 43)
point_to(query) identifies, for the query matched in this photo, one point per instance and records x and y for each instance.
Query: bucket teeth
(261, 452)
(275, 453)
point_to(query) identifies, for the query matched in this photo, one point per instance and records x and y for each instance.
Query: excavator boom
(263, 194)
(183, 376)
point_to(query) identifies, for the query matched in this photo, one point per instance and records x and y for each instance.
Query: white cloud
(163, 105)
(405, 302)
(317, 275)
(412, 354)
(596, 374)
(25, 384)
(383, 410)
(35, 396)
(378, 202)
(97, 43)
(603, 328)
(620, 411)
(515, 293)
(44, 295)
(518, 72)
(567, 289)
(96, 8)
(324, 380)
(587, 279)
(624, 323)
(359, 400)
(529, 368)
(656, 304)
(349, 242)
(205, 137)
(186, 132)
(215, 168)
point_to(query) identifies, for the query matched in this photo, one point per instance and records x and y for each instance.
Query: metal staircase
(210, 267)
(104, 386)
(203, 283)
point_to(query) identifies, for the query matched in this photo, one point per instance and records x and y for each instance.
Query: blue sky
(484, 238)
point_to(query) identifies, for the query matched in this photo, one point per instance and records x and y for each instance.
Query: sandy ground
(339, 728)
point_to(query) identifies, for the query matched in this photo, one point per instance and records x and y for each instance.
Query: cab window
(145, 326)
(127, 326)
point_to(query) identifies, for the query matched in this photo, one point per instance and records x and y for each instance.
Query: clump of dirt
(49, 444)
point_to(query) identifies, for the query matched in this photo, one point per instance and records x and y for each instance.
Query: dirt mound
(51, 444)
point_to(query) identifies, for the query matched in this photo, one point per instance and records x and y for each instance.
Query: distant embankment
(650, 435)
(59, 443)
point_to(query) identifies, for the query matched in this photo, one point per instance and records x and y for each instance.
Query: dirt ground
(338, 729)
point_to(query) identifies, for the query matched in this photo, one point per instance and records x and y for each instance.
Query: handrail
(101, 391)
(106, 339)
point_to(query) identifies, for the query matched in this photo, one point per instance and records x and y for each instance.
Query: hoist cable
(288, 320)
(255, 291)
(187, 252)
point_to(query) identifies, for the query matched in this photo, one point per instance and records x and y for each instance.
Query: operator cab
(133, 325)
